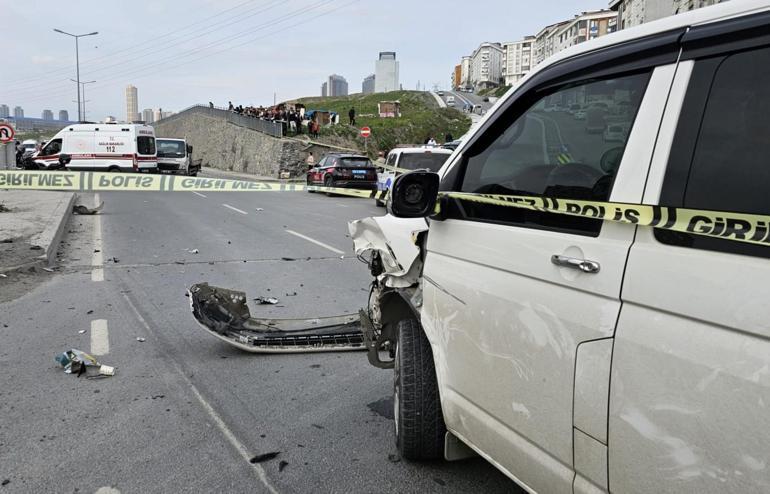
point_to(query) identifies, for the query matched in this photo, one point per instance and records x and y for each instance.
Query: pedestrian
(310, 160)
(432, 142)
(211, 105)
(448, 137)
(230, 106)
(352, 116)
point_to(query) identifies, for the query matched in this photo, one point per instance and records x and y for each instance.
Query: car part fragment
(225, 314)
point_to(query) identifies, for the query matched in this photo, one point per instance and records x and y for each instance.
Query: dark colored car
(344, 170)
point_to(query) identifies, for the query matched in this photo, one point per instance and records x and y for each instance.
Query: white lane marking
(234, 209)
(100, 337)
(325, 246)
(340, 205)
(213, 415)
(199, 194)
(97, 273)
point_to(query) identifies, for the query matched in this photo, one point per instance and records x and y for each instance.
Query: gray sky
(182, 52)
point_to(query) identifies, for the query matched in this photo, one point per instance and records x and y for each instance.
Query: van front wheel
(114, 169)
(419, 420)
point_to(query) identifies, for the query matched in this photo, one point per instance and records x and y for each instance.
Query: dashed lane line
(234, 209)
(325, 246)
(199, 194)
(100, 337)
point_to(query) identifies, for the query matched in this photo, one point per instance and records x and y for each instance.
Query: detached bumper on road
(225, 314)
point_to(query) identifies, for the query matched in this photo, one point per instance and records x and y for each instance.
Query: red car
(344, 170)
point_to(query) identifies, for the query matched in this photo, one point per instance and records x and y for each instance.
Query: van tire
(419, 420)
(114, 169)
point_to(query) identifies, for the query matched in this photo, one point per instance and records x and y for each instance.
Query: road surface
(185, 412)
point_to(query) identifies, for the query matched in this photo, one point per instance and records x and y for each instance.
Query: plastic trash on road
(78, 362)
(225, 314)
(80, 209)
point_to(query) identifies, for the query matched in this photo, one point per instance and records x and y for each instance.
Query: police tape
(741, 227)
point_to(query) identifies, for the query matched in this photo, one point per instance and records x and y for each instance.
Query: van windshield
(170, 149)
(422, 161)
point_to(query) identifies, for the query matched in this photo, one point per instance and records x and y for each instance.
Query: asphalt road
(185, 412)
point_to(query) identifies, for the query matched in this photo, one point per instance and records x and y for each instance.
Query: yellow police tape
(748, 228)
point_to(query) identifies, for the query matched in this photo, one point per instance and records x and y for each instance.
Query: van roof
(423, 149)
(108, 127)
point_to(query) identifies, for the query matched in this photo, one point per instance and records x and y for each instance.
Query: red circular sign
(6, 133)
(366, 131)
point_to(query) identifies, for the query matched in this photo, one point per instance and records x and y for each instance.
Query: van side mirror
(189, 149)
(414, 195)
(64, 159)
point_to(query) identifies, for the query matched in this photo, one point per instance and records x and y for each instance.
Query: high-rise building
(465, 70)
(325, 89)
(18, 112)
(386, 73)
(148, 116)
(517, 59)
(457, 76)
(47, 115)
(5, 112)
(634, 12)
(337, 86)
(487, 65)
(132, 104)
(64, 115)
(367, 86)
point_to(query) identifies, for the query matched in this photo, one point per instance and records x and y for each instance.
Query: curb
(58, 230)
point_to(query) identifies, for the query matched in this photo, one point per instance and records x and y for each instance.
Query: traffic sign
(366, 132)
(6, 133)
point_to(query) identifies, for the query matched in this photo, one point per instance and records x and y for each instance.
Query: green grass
(420, 118)
(494, 91)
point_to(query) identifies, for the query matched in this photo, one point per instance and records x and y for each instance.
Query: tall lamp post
(84, 98)
(77, 61)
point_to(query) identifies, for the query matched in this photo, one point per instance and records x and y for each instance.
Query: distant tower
(18, 112)
(367, 86)
(5, 112)
(132, 104)
(64, 115)
(386, 73)
(147, 116)
(47, 115)
(337, 86)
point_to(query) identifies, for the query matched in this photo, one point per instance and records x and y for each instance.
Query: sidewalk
(32, 223)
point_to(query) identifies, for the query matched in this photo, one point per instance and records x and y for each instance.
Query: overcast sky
(181, 52)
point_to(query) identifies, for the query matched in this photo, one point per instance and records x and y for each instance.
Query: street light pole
(77, 61)
(84, 98)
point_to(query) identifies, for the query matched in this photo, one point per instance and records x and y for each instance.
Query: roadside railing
(269, 127)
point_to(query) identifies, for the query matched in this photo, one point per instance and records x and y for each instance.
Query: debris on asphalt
(6, 241)
(282, 464)
(260, 209)
(291, 294)
(140, 339)
(35, 247)
(80, 209)
(90, 312)
(48, 270)
(178, 262)
(5, 481)
(266, 300)
(3, 275)
(264, 457)
(82, 331)
(394, 458)
(288, 259)
(114, 259)
(78, 362)
(193, 251)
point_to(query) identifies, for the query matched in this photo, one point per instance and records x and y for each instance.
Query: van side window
(720, 157)
(52, 148)
(567, 144)
(145, 145)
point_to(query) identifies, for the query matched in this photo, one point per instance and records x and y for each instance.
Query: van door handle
(583, 265)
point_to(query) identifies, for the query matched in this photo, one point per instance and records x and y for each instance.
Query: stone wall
(226, 146)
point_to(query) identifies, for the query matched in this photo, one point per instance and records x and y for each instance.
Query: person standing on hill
(352, 116)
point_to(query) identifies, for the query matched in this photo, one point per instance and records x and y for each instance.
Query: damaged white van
(101, 147)
(583, 355)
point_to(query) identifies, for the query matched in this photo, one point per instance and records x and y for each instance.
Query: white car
(580, 355)
(415, 158)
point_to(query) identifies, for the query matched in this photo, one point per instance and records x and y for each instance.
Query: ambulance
(110, 147)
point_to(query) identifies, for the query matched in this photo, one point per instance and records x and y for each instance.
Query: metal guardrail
(273, 128)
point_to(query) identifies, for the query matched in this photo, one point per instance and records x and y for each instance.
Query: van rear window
(145, 145)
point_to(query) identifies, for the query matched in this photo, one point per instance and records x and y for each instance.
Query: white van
(102, 147)
(579, 355)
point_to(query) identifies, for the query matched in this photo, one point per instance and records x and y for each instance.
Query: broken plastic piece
(80, 209)
(260, 209)
(193, 251)
(264, 457)
(78, 362)
(82, 331)
(225, 314)
(266, 300)
(140, 339)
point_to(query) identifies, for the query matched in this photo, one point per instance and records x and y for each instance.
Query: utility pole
(82, 116)
(77, 61)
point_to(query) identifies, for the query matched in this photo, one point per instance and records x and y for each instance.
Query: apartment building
(517, 59)
(487, 65)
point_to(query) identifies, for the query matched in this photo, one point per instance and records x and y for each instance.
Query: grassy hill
(420, 118)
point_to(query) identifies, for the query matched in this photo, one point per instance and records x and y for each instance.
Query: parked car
(343, 170)
(415, 158)
(579, 355)
(175, 157)
(485, 99)
(30, 146)
(579, 114)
